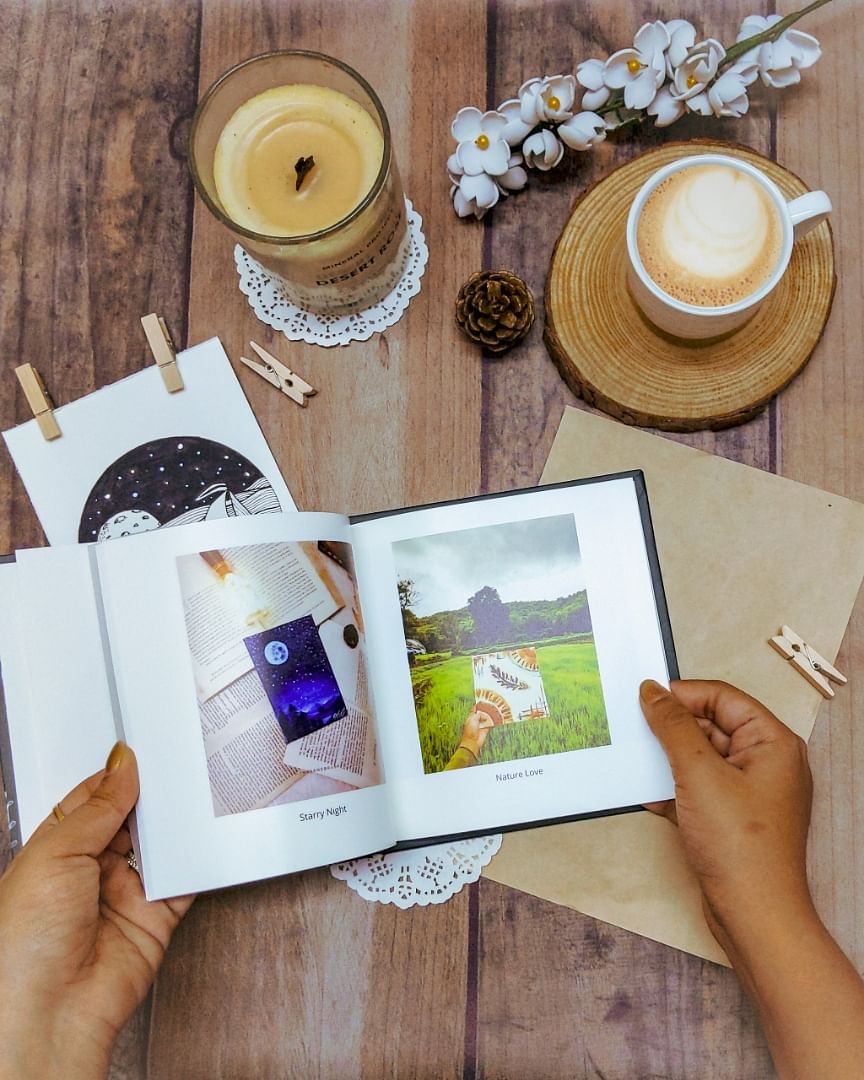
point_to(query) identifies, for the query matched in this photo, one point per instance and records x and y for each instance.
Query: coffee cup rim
(688, 162)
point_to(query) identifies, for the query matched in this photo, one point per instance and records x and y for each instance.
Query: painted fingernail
(116, 757)
(651, 691)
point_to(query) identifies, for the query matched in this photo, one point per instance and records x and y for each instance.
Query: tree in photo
(491, 617)
(408, 595)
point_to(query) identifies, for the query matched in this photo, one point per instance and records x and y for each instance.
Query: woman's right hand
(742, 797)
(742, 804)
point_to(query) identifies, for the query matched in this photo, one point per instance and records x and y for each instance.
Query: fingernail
(651, 691)
(116, 757)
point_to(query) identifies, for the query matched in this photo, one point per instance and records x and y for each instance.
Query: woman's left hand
(79, 944)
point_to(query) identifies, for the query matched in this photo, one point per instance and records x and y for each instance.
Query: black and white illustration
(131, 457)
(173, 481)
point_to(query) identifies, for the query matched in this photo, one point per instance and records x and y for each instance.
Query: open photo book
(305, 688)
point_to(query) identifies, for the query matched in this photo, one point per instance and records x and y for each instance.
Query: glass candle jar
(333, 229)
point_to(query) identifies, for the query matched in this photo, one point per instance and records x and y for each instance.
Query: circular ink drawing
(173, 482)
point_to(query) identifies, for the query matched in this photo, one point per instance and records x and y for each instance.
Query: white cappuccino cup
(722, 239)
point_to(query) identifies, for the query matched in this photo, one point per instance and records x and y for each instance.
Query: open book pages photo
(302, 689)
(523, 623)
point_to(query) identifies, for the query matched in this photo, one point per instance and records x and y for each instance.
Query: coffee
(709, 235)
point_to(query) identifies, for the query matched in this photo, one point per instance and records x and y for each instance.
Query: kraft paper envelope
(741, 552)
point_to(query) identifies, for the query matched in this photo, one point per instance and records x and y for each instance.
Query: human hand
(79, 944)
(474, 732)
(742, 800)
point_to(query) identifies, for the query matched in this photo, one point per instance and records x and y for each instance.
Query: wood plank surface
(95, 198)
(95, 202)
(612, 1030)
(299, 977)
(564, 995)
(821, 425)
(393, 424)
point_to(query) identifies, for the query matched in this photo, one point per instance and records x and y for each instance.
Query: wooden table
(298, 977)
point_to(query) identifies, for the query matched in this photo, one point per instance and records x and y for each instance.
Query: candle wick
(303, 167)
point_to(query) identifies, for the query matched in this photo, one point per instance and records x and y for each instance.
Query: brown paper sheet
(741, 552)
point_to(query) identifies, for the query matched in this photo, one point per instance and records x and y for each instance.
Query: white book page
(286, 587)
(134, 457)
(219, 805)
(58, 699)
(581, 744)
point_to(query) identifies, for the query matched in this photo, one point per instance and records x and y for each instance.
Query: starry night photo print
(297, 677)
(173, 482)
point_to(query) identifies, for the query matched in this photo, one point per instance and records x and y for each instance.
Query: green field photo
(496, 619)
(444, 695)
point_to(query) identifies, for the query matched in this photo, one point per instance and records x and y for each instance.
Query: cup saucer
(610, 355)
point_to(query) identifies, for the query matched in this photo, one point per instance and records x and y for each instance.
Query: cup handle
(808, 211)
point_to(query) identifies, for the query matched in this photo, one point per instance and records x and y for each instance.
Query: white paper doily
(428, 875)
(269, 302)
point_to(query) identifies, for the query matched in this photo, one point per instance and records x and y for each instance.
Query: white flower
(474, 195)
(665, 108)
(549, 99)
(642, 69)
(694, 73)
(780, 62)
(728, 95)
(482, 148)
(590, 75)
(583, 131)
(682, 36)
(516, 129)
(558, 94)
(515, 178)
(531, 106)
(542, 151)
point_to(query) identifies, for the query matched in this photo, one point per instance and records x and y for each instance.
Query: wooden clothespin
(815, 668)
(38, 400)
(280, 376)
(162, 348)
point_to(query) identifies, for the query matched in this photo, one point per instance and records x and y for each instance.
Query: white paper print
(508, 687)
(132, 457)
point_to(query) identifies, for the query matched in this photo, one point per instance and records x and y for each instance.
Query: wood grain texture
(394, 421)
(523, 394)
(613, 358)
(821, 139)
(298, 977)
(346, 986)
(562, 995)
(94, 200)
(523, 397)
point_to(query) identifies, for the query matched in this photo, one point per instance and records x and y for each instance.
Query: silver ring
(131, 861)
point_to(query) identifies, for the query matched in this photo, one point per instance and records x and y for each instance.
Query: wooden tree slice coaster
(610, 355)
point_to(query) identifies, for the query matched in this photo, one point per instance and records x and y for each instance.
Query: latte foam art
(709, 235)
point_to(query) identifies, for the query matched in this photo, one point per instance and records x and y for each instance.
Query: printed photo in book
(491, 677)
(497, 623)
(275, 639)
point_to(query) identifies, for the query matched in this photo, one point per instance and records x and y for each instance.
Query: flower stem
(614, 103)
(771, 34)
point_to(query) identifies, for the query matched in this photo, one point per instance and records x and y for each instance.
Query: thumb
(675, 728)
(91, 827)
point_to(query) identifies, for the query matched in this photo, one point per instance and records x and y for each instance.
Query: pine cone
(496, 309)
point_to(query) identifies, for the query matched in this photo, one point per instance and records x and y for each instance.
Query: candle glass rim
(302, 238)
